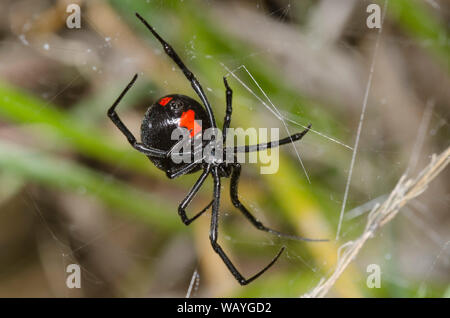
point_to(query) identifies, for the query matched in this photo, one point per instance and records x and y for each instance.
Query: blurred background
(72, 190)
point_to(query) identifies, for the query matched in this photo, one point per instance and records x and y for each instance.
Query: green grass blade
(65, 175)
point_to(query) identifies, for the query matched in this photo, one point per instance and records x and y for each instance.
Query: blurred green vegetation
(416, 19)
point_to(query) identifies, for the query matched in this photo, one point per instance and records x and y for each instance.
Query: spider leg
(272, 144)
(227, 119)
(213, 236)
(184, 170)
(131, 139)
(190, 196)
(234, 198)
(189, 75)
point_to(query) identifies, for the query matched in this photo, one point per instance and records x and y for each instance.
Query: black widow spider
(176, 111)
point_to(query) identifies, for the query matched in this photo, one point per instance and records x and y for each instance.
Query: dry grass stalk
(404, 192)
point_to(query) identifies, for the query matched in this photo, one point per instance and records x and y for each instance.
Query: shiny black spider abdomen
(162, 124)
(178, 112)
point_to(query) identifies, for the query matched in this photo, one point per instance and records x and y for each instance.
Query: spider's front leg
(237, 203)
(272, 144)
(119, 124)
(214, 233)
(183, 205)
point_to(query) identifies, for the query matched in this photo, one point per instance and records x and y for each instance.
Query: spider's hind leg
(237, 203)
(187, 200)
(229, 109)
(112, 114)
(189, 75)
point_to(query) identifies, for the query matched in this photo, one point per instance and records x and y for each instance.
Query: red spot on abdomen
(187, 120)
(165, 100)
